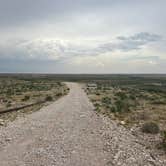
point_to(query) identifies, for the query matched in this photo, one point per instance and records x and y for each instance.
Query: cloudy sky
(83, 36)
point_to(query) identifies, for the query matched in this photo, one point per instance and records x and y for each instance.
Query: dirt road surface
(70, 133)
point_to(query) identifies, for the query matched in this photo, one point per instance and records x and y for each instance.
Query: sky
(83, 36)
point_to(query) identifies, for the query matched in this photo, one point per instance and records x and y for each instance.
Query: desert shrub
(164, 140)
(122, 95)
(8, 104)
(119, 105)
(122, 106)
(108, 106)
(97, 93)
(113, 109)
(132, 96)
(150, 127)
(49, 98)
(59, 94)
(10, 92)
(97, 109)
(106, 100)
(26, 98)
(96, 104)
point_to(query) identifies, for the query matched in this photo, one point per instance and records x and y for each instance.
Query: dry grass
(141, 110)
(15, 92)
(129, 106)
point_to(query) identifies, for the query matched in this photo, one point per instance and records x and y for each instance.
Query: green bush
(119, 105)
(122, 106)
(113, 109)
(150, 127)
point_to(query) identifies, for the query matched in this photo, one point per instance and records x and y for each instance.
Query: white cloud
(152, 62)
(122, 54)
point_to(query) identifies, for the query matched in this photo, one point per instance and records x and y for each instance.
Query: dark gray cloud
(80, 18)
(18, 12)
(142, 37)
(21, 11)
(130, 43)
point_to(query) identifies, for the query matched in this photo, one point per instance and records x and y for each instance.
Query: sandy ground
(69, 133)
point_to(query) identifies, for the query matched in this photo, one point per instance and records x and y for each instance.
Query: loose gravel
(69, 133)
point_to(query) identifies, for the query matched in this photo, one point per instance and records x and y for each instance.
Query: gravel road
(69, 133)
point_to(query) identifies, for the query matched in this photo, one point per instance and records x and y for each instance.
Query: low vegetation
(133, 100)
(164, 140)
(17, 91)
(48, 98)
(150, 127)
